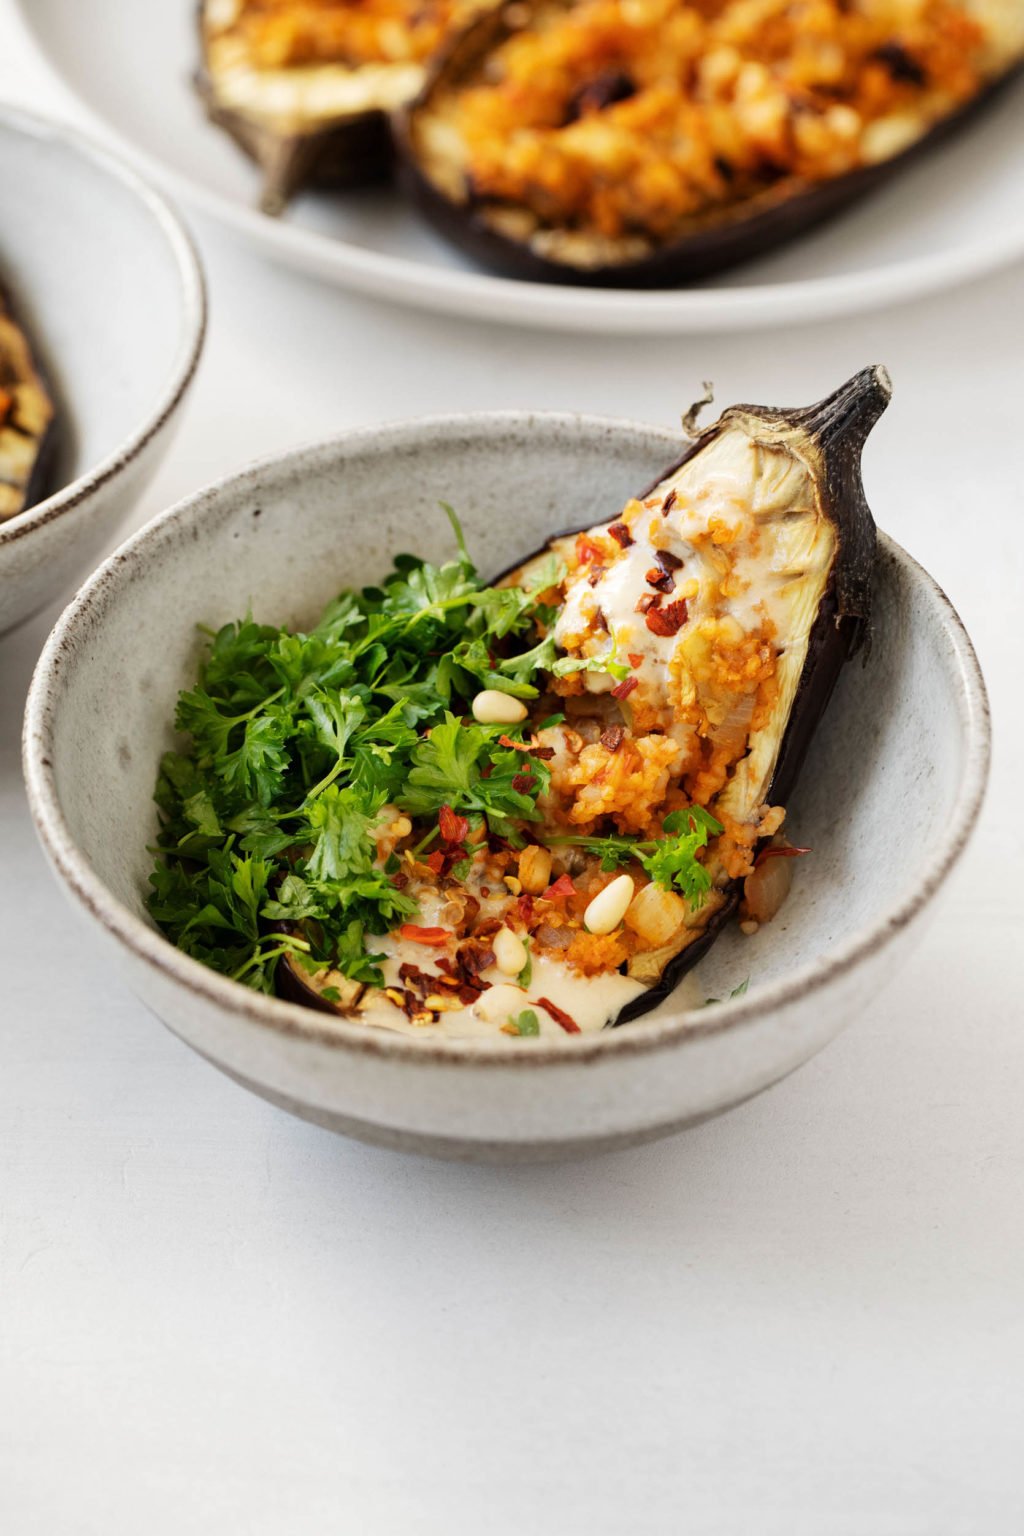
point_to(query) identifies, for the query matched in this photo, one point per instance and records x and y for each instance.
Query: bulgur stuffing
(623, 118)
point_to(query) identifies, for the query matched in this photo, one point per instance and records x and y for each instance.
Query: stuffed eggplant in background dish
(650, 142)
(26, 419)
(528, 808)
(306, 87)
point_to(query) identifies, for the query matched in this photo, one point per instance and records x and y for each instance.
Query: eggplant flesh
(324, 121)
(26, 420)
(524, 241)
(737, 585)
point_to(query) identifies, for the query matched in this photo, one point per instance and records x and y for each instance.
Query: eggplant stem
(849, 414)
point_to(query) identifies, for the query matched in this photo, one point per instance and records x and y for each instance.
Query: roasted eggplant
(26, 420)
(306, 87)
(647, 143)
(697, 638)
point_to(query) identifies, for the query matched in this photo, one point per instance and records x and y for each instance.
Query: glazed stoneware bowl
(106, 281)
(285, 536)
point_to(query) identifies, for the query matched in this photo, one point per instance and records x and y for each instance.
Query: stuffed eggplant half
(456, 809)
(306, 87)
(26, 420)
(650, 142)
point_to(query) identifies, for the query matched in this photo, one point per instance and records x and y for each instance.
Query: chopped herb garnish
(525, 1023)
(297, 741)
(736, 992)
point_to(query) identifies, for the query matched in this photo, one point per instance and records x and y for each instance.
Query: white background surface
(801, 1320)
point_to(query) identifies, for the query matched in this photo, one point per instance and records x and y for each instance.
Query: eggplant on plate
(652, 142)
(306, 87)
(460, 809)
(26, 419)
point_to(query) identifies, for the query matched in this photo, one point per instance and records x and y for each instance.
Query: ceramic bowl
(105, 279)
(886, 821)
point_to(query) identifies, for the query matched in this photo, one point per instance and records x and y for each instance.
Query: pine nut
(509, 952)
(500, 1003)
(491, 707)
(609, 907)
(656, 914)
(535, 869)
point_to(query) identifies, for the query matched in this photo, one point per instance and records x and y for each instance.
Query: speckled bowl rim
(192, 327)
(85, 613)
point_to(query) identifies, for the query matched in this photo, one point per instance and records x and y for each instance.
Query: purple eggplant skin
(729, 237)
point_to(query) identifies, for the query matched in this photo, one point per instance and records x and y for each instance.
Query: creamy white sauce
(591, 1001)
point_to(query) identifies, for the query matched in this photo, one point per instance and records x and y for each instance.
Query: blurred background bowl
(888, 796)
(106, 282)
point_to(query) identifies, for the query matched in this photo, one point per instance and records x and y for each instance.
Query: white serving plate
(887, 798)
(953, 217)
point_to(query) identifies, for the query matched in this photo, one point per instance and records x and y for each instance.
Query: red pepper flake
(625, 688)
(453, 828)
(522, 783)
(486, 770)
(474, 957)
(611, 738)
(561, 890)
(420, 981)
(621, 534)
(400, 881)
(668, 503)
(435, 937)
(780, 851)
(525, 905)
(436, 861)
(668, 620)
(667, 560)
(664, 581)
(533, 747)
(645, 602)
(635, 658)
(586, 550)
(560, 1016)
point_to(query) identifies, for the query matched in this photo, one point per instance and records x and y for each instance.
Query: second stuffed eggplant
(653, 142)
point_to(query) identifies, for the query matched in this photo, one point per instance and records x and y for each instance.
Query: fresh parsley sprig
(670, 861)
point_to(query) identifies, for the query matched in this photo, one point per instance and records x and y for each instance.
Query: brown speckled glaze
(115, 295)
(514, 478)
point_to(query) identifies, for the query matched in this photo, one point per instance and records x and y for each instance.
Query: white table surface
(801, 1320)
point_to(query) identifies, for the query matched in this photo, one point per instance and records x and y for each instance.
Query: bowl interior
(877, 790)
(86, 258)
